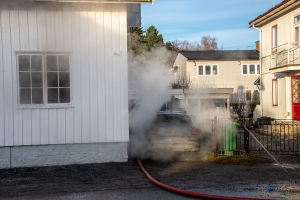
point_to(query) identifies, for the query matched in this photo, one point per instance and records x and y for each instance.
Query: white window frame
(211, 69)
(45, 103)
(296, 30)
(275, 92)
(274, 38)
(256, 69)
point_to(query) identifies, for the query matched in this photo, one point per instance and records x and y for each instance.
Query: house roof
(101, 1)
(274, 12)
(221, 55)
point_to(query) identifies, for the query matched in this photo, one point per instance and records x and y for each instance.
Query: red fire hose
(189, 193)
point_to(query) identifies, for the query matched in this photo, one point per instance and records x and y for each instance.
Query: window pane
(24, 63)
(24, 78)
(275, 92)
(36, 63)
(64, 79)
(52, 79)
(258, 69)
(248, 95)
(37, 79)
(200, 69)
(245, 67)
(64, 95)
(215, 70)
(52, 63)
(207, 70)
(297, 35)
(252, 69)
(63, 63)
(296, 19)
(274, 36)
(37, 95)
(52, 95)
(25, 96)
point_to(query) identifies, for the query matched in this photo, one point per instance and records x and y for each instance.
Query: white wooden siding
(2, 111)
(95, 34)
(270, 110)
(285, 25)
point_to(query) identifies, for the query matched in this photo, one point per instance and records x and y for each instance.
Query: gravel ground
(127, 181)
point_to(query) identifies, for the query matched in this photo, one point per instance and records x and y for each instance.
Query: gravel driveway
(126, 181)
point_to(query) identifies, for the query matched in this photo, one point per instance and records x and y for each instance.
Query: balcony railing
(285, 55)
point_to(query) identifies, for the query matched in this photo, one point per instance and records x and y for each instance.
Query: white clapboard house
(279, 80)
(63, 82)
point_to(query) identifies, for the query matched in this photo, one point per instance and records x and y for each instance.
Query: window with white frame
(274, 37)
(43, 78)
(208, 70)
(250, 69)
(274, 92)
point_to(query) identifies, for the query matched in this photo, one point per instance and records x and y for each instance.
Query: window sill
(209, 75)
(44, 107)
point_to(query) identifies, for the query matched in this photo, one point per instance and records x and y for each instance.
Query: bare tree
(182, 79)
(240, 106)
(206, 43)
(209, 43)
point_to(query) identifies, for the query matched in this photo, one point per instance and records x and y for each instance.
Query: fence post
(246, 141)
(215, 136)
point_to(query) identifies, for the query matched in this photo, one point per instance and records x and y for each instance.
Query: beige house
(237, 69)
(280, 60)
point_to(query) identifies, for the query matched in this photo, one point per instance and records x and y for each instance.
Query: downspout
(260, 74)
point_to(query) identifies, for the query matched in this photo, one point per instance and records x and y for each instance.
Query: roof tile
(221, 55)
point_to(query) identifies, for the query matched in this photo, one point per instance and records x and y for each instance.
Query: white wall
(286, 35)
(285, 31)
(95, 34)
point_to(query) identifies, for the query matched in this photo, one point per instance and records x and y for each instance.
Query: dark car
(172, 131)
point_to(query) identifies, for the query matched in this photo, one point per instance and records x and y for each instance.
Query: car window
(173, 119)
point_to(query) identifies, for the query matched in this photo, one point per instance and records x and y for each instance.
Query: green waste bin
(230, 138)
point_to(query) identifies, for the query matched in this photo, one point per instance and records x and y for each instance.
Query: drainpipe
(260, 62)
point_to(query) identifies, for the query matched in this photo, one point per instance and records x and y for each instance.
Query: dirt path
(126, 179)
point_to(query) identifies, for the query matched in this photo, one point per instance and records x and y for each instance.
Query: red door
(296, 97)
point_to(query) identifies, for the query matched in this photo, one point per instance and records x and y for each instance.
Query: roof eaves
(273, 12)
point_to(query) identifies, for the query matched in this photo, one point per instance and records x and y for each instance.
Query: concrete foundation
(65, 154)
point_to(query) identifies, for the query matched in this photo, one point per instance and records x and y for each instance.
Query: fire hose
(190, 193)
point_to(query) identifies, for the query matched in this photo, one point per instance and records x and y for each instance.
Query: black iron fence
(278, 136)
(228, 137)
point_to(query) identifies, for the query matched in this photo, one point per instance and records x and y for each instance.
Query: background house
(64, 84)
(236, 69)
(280, 63)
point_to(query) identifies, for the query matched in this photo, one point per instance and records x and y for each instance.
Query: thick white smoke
(148, 78)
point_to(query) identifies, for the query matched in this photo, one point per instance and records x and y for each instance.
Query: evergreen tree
(152, 39)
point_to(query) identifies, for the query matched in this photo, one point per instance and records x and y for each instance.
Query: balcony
(285, 58)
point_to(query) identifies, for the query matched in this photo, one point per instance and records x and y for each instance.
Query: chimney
(257, 45)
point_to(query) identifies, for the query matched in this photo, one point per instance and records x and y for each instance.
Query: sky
(227, 20)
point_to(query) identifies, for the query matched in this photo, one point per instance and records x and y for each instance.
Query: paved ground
(126, 181)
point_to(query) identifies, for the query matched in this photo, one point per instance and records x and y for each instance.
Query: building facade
(236, 69)
(63, 82)
(280, 63)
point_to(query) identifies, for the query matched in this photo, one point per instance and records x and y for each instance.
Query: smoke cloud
(149, 80)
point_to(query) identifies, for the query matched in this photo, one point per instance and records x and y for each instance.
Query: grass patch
(239, 160)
